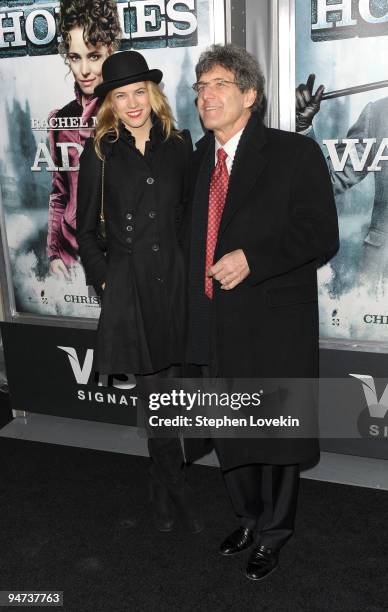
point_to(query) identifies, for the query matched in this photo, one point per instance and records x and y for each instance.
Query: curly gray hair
(245, 67)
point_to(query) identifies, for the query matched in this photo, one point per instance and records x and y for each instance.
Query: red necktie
(217, 196)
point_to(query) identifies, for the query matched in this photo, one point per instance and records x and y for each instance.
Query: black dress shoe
(239, 540)
(262, 562)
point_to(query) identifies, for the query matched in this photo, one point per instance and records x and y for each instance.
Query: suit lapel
(204, 164)
(249, 162)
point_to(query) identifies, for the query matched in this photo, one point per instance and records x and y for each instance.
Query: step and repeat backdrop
(44, 126)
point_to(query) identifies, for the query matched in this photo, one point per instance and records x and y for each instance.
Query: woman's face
(131, 104)
(86, 61)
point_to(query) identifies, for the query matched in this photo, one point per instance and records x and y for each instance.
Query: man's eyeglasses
(213, 84)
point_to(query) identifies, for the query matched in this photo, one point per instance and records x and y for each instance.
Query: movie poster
(47, 110)
(345, 47)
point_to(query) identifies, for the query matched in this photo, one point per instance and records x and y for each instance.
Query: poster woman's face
(132, 105)
(86, 61)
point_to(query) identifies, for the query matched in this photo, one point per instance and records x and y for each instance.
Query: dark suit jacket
(280, 210)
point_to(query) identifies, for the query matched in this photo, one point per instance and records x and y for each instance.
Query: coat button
(150, 180)
(129, 216)
(160, 279)
(129, 228)
(152, 214)
(129, 240)
(155, 247)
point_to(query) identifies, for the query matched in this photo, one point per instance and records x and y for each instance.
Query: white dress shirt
(230, 148)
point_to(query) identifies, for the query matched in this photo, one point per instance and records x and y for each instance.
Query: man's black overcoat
(141, 325)
(281, 211)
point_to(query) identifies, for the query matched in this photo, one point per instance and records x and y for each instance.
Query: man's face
(223, 108)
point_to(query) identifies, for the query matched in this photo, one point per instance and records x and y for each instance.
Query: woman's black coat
(142, 316)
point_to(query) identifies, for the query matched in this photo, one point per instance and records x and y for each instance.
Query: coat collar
(254, 128)
(248, 164)
(156, 133)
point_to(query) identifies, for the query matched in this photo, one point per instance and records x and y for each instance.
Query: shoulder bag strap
(102, 191)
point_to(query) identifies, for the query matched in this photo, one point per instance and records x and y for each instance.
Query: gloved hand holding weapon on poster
(365, 139)
(308, 104)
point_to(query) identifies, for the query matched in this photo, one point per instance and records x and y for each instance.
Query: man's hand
(58, 268)
(307, 104)
(231, 269)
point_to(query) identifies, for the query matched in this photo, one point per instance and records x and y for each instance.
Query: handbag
(101, 230)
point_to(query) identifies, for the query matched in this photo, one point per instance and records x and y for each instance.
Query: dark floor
(78, 521)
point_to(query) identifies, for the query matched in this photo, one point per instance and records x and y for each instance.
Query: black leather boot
(187, 507)
(163, 512)
(170, 485)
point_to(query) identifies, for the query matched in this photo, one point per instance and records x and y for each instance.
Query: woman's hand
(58, 268)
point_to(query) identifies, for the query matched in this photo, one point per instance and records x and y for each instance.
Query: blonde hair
(108, 123)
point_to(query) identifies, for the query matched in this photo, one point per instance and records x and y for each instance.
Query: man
(263, 217)
(371, 124)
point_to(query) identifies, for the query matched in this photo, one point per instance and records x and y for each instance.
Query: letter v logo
(377, 409)
(81, 373)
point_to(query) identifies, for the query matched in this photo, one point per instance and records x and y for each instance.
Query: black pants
(167, 462)
(166, 454)
(264, 498)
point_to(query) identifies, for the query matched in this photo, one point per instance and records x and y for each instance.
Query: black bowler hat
(124, 68)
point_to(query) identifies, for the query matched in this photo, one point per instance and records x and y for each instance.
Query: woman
(136, 170)
(90, 32)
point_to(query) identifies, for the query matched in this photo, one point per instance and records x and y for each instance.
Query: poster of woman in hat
(136, 172)
(90, 32)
